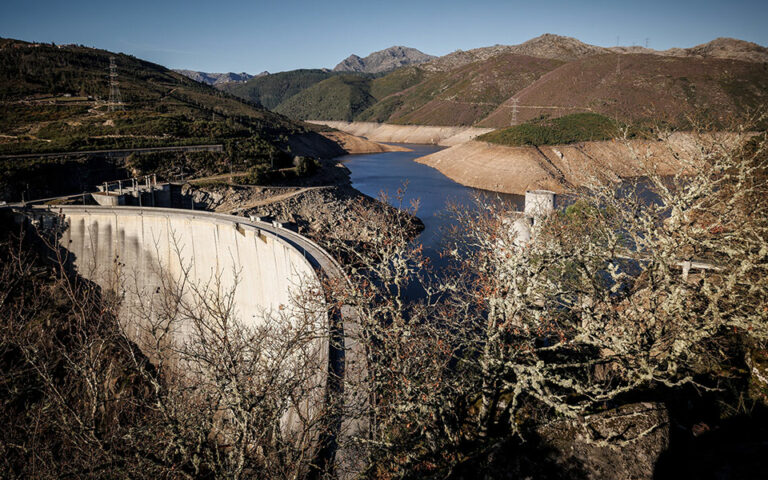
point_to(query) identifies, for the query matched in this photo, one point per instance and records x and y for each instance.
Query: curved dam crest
(263, 267)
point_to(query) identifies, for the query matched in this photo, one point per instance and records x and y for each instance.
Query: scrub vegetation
(596, 313)
(54, 99)
(578, 127)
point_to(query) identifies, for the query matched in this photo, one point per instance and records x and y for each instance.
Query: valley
(538, 260)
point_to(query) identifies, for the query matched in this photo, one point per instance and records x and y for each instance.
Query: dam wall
(140, 243)
(137, 251)
(165, 263)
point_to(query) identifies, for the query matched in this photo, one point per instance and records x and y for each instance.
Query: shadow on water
(373, 174)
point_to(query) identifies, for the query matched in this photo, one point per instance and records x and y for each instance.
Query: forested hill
(273, 89)
(54, 98)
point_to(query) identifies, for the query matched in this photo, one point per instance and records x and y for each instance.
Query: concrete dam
(135, 250)
(267, 266)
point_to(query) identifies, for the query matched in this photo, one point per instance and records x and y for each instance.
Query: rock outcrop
(550, 46)
(217, 79)
(383, 60)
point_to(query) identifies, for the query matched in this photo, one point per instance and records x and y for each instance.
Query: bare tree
(206, 395)
(602, 301)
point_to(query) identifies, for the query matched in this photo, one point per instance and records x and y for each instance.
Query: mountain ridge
(383, 60)
(724, 78)
(216, 79)
(55, 99)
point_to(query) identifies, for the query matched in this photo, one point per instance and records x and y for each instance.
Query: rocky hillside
(463, 95)
(548, 46)
(637, 87)
(729, 48)
(55, 98)
(217, 79)
(383, 61)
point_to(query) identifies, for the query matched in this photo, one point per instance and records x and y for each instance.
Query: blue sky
(253, 36)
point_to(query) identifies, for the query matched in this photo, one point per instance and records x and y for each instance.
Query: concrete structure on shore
(538, 203)
(142, 192)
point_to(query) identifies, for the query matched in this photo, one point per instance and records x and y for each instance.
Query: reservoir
(373, 174)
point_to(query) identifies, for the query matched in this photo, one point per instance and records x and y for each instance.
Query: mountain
(273, 89)
(51, 93)
(383, 60)
(344, 96)
(549, 75)
(340, 97)
(550, 46)
(460, 96)
(638, 87)
(553, 76)
(218, 78)
(728, 48)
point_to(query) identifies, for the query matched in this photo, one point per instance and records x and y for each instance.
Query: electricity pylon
(115, 102)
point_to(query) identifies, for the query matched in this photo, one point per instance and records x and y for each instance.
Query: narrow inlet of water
(373, 174)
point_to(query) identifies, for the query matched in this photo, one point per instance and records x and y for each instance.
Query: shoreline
(414, 134)
(515, 170)
(562, 168)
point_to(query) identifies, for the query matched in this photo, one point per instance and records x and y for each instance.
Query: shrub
(579, 127)
(257, 175)
(307, 166)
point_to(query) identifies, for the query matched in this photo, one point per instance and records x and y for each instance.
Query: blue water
(373, 174)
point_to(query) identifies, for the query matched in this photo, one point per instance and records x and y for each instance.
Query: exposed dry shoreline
(557, 167)
(355, 145)
(422, 134)
(560, 167)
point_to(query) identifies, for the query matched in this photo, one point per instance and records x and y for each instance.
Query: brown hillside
(730, 48)
(554, 47)
(466, 94)
(639, 86)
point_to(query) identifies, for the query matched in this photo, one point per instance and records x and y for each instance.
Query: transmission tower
(514, 111)
(115, 102)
